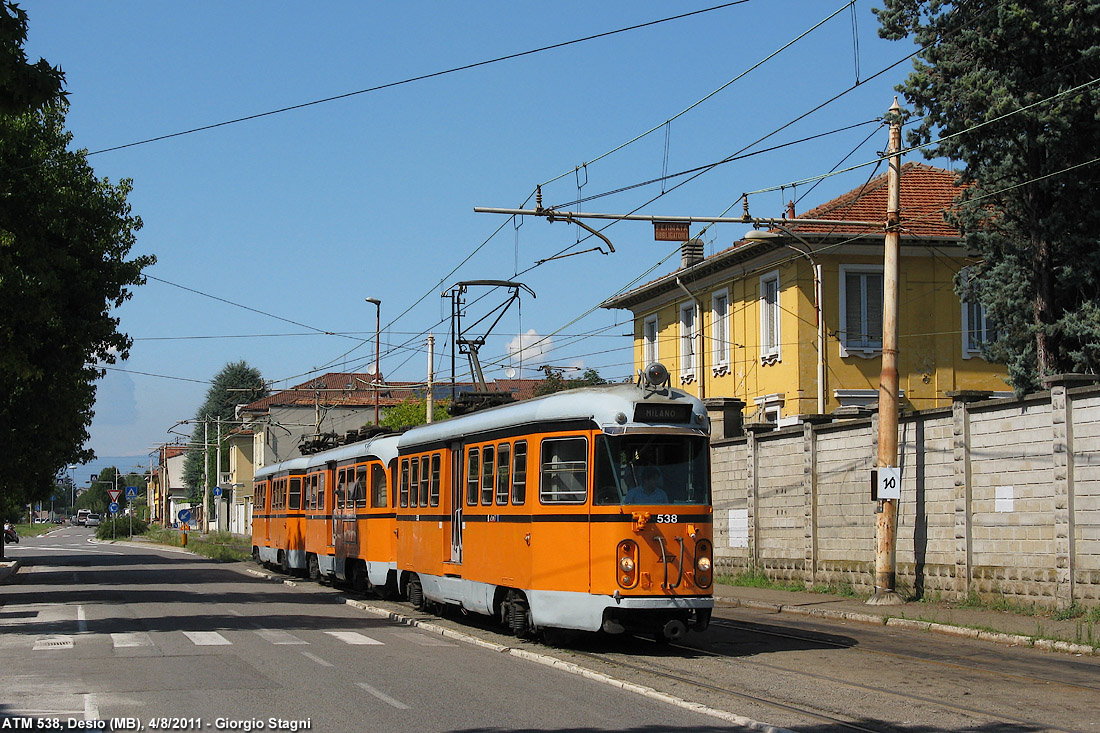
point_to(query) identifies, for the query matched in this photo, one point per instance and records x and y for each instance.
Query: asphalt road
(94, 632)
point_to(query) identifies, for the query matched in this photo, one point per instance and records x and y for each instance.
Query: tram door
(457, 485)
(345, 538)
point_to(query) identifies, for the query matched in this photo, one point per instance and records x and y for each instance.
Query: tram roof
(383, 447)
(602, 405)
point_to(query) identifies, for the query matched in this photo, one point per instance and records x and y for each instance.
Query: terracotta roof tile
(926, 193)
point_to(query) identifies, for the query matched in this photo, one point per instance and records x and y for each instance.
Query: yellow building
(744, 323)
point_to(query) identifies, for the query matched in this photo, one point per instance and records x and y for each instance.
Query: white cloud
(530, 349)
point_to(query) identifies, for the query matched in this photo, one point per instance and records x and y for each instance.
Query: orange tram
(588, 509)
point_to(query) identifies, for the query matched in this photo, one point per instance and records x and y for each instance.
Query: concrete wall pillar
(964, 542)
(1062, 446)
(809, 492)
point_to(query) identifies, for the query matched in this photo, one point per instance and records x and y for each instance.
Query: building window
(649, 341)
(720, 332)
(861, 310)
(687, 343)
(769, 318)
(977, 329)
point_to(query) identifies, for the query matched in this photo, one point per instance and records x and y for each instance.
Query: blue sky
(303, 214)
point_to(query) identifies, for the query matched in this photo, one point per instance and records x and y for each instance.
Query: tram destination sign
(654, 412)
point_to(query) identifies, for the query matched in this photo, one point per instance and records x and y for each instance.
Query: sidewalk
(1069, 636)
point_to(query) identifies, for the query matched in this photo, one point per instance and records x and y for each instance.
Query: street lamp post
(377, 350)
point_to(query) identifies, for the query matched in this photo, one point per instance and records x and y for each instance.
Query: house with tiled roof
(336, 404)
(789, 320)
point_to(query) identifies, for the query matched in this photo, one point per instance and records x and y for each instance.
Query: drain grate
(54, 642)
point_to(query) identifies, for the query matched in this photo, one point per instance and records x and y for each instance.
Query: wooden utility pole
(887, 516)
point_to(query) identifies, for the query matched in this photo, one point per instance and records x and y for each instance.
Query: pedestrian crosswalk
(31, 627)
(277, 637)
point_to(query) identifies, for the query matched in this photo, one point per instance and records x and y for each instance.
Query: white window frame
(847, 348)
(688, 358)
(770, 407)
(720, 331)
(983, 326)
(770, 314)
(650, 350)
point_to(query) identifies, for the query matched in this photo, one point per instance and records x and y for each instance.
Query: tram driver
(649, 491)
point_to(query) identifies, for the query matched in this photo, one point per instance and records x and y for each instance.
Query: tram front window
(651, 469)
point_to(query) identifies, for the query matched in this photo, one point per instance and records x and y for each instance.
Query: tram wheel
(314, 568)
(284, 563)
(416, 593)
(359, 578)
(518, 616)
(255, 554)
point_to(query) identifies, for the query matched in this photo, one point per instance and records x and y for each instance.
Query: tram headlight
(703, 564)
(626, 569)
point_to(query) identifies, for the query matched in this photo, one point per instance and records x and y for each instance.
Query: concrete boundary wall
(998, 497)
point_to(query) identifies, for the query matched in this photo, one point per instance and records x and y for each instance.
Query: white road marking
(207, 638)
(91, 706)
(278, 636)
(139, 638)
(352, 637)
(383, 696)
(317, 659)
(81, 620)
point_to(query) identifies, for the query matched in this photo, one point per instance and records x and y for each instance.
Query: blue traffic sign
(184, 515)
(113, 507)
(217, 491)
(131, 493)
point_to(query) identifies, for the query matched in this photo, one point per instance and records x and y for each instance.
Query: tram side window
(360, 486)
(487, 475)
(414, 481)
(341, 489)
(564, 471)
(504, 465)
(519, 473)
(425, 479)
(405, 482)
(473, 467)
(378, 486)
(295, 493)
(433, 493)
(320, 491)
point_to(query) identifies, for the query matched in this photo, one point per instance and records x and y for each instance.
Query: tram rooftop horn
(655, 375)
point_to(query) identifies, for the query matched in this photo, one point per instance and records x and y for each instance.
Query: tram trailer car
(331, 515)
(537, 512)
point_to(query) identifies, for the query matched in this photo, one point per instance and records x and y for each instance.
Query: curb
(1049, 645)
(9, 568)
(562, 665)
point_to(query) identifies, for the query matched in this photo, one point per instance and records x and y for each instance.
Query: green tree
(413, 412)
(1029, 175)
(554, 382)
(23, 86)
(65, 236)
(237, 383)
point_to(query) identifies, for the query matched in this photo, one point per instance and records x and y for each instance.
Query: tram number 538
(667, 518)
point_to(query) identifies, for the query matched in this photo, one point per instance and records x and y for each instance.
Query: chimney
(691, 253)
(790, 210)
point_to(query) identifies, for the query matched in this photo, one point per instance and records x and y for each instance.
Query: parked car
(92, 520)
